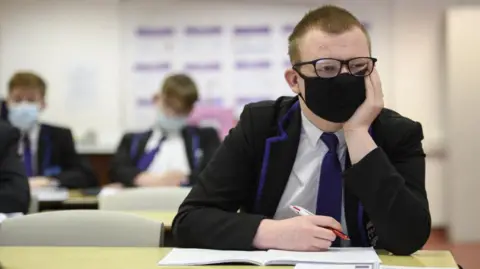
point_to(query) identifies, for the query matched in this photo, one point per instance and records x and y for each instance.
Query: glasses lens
(361, 67)
(328, 68)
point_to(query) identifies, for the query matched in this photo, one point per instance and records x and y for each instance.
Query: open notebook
(185, 256)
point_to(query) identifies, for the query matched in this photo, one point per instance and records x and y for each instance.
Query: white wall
(74, 46)
(463, 97)
(51, 36)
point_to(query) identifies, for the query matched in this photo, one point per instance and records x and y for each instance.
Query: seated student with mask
(333, 150)
(172, 153)
(48, 151)
(14, 189)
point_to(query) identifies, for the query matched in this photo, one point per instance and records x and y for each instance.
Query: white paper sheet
(331, 266)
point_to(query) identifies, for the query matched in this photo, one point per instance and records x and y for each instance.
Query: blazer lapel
(42, 142)
(142, 143)
(187, 138)
(279, 157)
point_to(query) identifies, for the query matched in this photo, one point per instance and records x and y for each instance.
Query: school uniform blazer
(251, 169)
(124, 170)
(65, 165)
(14, 189)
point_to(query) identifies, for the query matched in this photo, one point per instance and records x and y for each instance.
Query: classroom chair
(34, 204)
(157, 198)
(91, 228)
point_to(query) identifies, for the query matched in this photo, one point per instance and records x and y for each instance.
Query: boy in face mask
(48, 151)
(333, 150)
(14, 190)
(172, 153)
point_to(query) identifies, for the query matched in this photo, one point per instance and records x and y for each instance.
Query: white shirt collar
(313, 133)
(33, 133)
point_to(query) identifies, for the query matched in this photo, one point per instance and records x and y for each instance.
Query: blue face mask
(171, 123)
(23, 115)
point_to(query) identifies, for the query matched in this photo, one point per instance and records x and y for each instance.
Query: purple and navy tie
(27, 156)
(329, 199)
(147, 158)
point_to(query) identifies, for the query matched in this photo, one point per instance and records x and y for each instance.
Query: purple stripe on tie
(154, 31)
(27, 156)
(329, 198)
(252, 30)
(202, 66)
(147, 158)
(252, 65)
(204, 30)
(147, 67)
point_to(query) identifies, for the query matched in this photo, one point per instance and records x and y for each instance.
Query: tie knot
(331, 140)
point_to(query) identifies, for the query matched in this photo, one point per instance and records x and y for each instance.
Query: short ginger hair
(27, 80)
(330, 19)
(180, 87)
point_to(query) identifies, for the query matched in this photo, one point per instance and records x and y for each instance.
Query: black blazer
(124, 170)
(389, 182)
(14, 189)
(57, 158)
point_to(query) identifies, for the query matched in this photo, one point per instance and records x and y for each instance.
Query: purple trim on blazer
(266, 154)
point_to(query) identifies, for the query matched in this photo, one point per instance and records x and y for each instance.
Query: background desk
(140, 258)
(75, 200)
(161, 216)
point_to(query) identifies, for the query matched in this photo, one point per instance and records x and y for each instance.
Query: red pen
(303, 212)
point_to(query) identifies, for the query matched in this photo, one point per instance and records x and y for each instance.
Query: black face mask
(334, 99)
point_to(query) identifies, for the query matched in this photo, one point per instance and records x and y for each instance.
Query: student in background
(14, 189)
(333, 149)
(172, 153)
(48, 151)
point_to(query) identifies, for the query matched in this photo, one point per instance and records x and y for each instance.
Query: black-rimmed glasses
(329, 67)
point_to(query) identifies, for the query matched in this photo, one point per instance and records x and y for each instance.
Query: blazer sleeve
(14, 188)
(208, 217)
(122, 168)
(77, 172)
(210, 146)
(392, 190)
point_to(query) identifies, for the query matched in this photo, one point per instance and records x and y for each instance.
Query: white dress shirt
(33, 135)
(302, 185)
(172, 154)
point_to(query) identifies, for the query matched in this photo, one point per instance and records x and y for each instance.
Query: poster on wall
(285, 32)
(154, 43)
(209, 80)
(82, 79)
(253, 78)
(241, 101)
(252, 40)
(147, 78)
(146, 81)
(202, 43)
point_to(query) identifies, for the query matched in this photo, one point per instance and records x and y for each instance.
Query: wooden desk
(77, 197)
(162, 216)
(140, 258)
